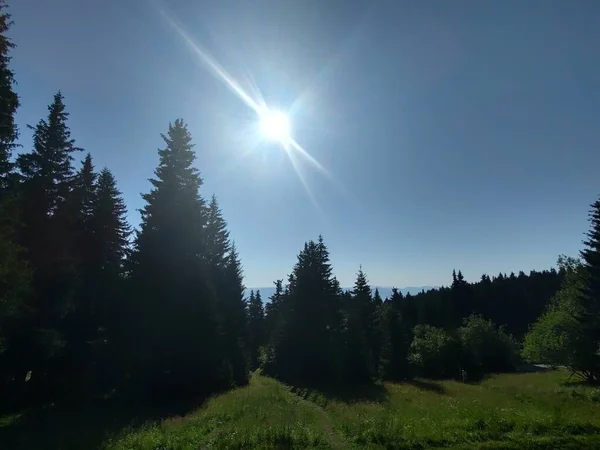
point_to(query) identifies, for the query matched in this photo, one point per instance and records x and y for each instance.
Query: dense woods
(88, 305)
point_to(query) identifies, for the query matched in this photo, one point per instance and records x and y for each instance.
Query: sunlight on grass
(511, 408)
(533, 411)
(262, 415)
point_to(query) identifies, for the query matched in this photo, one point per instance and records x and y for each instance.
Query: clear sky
(455, 133)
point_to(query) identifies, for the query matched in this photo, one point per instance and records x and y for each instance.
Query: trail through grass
(533, 411)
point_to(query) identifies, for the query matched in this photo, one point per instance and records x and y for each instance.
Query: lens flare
(274, 124)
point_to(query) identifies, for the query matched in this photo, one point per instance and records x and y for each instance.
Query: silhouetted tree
(48, 176)
(174, 323)
(256, 327)
(360, 363)
(110, 248)
(589, 315)
(9, 100)
(233, 320)
(396, 339)
(272, 310)
(15, 273)
(309, 354)
(226, 278)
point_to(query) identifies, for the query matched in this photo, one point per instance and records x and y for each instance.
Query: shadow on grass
(532, 368)
(85, 426)
(428, 385)
(350, 394)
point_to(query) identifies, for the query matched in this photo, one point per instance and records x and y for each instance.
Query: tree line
(89, 305)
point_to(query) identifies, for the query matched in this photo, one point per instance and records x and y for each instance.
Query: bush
(557, 337)
(486, 348)
(434, 352)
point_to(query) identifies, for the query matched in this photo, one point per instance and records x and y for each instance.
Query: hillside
(534, 410)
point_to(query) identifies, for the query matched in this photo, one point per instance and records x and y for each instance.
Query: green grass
(262, 415)
(531, 411)
(504, 411)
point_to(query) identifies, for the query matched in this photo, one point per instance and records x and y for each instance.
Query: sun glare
(275, 125)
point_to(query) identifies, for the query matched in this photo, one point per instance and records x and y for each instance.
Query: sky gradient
(461, 134)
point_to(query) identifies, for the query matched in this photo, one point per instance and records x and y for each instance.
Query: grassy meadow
(533, 411)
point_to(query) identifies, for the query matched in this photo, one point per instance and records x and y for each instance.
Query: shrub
(434, 352)
(486, 348)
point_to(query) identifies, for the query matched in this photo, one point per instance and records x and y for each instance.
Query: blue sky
(456, 134)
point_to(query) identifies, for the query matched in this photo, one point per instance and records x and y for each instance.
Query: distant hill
(384, 291)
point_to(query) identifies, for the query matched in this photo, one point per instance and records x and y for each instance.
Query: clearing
(514, 411)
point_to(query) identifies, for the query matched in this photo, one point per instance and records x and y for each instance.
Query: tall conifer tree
(173, 315)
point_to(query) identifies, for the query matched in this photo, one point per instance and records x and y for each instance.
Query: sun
(275, 125)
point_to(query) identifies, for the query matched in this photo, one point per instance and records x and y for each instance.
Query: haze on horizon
(453, 134)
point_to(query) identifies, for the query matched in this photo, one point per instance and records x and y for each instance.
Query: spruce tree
(226, 278)
(360, 364)
(396, 339)
(232, 320)
(81, 324)
(173, 303)
(47, 175)
(310, 354)
(15, 273)
(109, 223)
(256, 327)
(273, 313)
(589, 317)
(106, 288)
(217, 236)
(9, 100)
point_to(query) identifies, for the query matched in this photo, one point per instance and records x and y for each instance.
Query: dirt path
(335, 442)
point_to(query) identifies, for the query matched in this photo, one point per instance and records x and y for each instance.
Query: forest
(90, 306)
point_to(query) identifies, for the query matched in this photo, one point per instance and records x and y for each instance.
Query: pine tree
(589, 318)
(273, 313)
(81, 324)
(256, 327)
(47, 175)
(360, 363)
(396, 339)
(109, 224)
(461, 298)
(9, 100)
(106, 288)
(227, 281)
(15, 273)
(310, 354)
(173, 311)
(233, 320)
(217, 236)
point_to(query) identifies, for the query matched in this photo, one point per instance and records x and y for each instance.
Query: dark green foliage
(256, 327)
(560, 336)
(174, 322)
(307, 346)
(233, 320)
(396, 337)
(226, 280)
(435, 353)
(272, 313)
(588, 317)
(485, 348)
(46, 222)
(495, 298)
(106, 283)
(15, 291)
(360, 363)
(186, 283)
(462, 298)
(9, 100)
